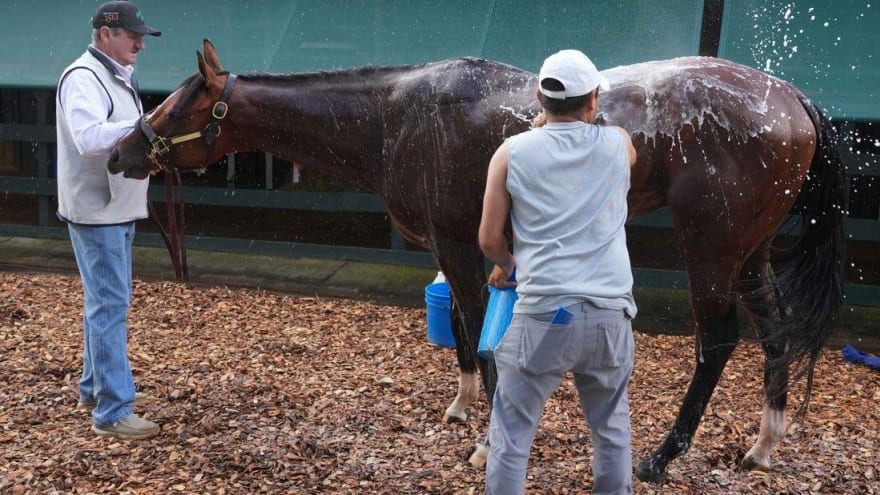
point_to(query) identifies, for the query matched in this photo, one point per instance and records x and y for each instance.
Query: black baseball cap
(122, 15)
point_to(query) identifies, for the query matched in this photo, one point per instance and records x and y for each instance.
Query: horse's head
(190, 129)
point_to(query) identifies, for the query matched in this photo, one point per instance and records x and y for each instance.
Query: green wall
(305, 35)
(830, 49)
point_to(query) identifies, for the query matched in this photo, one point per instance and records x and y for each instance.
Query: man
(97, 103)
(563, 186)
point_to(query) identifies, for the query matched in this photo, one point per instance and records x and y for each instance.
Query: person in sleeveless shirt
(97, 103)
(563, 187)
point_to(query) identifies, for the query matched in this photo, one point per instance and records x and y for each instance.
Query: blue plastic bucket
(438, 305)
(499, 313)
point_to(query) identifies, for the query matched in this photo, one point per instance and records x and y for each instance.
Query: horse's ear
(211, 56)
(206, 71)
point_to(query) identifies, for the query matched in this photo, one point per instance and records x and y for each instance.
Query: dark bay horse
(729, 150)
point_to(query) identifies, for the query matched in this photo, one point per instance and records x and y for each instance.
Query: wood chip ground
(267, 393)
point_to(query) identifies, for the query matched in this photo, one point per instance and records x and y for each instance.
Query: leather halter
(161, 146)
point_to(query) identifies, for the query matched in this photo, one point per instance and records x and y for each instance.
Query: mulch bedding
(259, 392)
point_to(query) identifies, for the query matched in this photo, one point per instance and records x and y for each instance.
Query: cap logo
(118, 14)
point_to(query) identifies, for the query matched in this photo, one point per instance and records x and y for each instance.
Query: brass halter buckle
(158, 148)
(158, 144)
(219, 110)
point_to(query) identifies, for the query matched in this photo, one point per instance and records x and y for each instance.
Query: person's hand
(539, 120)
(498, 277)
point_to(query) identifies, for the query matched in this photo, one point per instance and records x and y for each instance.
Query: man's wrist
(509, 264)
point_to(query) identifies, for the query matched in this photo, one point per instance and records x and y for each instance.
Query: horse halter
(161, 146)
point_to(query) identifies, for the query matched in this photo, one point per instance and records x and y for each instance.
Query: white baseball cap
(575, 71)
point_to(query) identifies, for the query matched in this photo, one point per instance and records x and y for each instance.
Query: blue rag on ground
(853, 355)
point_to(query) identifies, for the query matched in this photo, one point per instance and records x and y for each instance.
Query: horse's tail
(809, 277)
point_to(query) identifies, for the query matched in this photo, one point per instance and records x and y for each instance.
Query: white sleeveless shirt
(568, 184)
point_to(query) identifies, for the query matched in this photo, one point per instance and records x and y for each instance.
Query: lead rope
(174, 235)
(174, 206)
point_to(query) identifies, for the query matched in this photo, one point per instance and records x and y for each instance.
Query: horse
(733, 153)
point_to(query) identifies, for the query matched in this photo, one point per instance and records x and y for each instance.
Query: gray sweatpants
(597, 346)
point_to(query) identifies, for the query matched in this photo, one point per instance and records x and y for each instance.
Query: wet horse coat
(726, 148)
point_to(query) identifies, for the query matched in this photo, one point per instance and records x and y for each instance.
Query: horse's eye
(174, 115)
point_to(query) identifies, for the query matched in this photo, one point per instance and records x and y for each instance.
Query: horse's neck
(319, 126)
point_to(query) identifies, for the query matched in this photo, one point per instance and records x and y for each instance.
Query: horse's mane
(190, 86)
(458, 80)
(367, 71)
(327, 75)
(444, 69)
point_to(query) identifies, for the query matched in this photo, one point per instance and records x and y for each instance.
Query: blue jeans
(103, 255)
(532, 359)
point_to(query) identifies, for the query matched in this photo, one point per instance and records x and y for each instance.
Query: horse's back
(660, 97)
(460, 80)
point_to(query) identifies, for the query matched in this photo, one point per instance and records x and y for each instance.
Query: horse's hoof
(751, 463)
(455, 417)
(479, 456)
(647, 472)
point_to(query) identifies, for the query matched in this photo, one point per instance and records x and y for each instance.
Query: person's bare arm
(496, 210)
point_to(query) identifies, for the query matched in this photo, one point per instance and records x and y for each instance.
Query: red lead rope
(174, 236)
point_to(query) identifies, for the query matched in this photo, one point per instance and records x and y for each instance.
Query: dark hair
(560, 106)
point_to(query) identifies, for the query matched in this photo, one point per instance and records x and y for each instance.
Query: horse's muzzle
(137, 172)
(113, 162)
(115, 166)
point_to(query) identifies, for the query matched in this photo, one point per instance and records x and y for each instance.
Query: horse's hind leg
(761, 299)
(717, 336)
(462, 264)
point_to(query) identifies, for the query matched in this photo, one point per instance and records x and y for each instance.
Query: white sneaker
(131, 427)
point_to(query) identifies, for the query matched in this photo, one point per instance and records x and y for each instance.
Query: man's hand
(500, 275)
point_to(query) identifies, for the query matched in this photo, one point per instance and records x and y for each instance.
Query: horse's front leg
(462, 264)
(480, 454)
(716, 340)
(468, 381)
(468, 389)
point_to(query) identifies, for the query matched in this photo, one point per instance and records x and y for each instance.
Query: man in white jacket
(97, 103)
